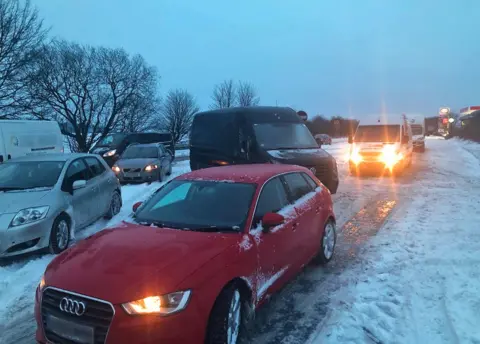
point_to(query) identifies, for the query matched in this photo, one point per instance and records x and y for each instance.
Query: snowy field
(407, 268)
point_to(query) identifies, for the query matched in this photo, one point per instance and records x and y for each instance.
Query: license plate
(132, 175)
(70, 330)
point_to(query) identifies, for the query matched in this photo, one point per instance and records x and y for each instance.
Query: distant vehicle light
(451, 120)
(444, 111)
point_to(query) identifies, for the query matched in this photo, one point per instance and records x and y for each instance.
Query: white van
(20, 138)
(381, 143)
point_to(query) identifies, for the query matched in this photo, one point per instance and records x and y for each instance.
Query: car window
(272, 199)
(77, 171)
(297, 185)
(313, 185)
(96, 166)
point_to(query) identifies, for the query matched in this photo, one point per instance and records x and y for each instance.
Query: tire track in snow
(294, 313)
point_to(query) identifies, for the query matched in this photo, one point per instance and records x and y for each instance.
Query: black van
(260, 134)
(113, 145)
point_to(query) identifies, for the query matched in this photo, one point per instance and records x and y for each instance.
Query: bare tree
(178, 110)
(21, 31)
(93, 90)
(247, 95)
(224, 95)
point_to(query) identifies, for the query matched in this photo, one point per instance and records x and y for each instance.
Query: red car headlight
(159, 305)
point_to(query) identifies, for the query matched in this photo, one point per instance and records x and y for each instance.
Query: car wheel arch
(246, 293)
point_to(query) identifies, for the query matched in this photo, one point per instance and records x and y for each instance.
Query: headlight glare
(159, 305)
(29, 215)
(110, 153)
(41, 285)
(116, 169)
(355, 156)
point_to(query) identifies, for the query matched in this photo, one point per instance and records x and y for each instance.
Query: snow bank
(419, 281)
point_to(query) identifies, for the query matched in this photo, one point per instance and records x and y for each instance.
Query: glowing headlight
(110, 153)
(159, 305)
(355, 157)
(29, 215)
(41, 285)
(115, 168)
(151, 168)
(389, 155)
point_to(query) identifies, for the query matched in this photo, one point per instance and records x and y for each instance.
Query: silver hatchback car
(44, 198)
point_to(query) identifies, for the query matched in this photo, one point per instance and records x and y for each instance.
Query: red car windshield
(199, 205)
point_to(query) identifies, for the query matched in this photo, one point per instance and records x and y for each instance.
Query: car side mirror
(136, 206)
(270, 220)
(79, 184)
(350, 139)
(405, 139)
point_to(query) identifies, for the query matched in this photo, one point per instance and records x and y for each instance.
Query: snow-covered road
(405, 269)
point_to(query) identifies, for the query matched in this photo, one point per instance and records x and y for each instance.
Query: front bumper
(23, 239)
(186, 327)
(375, 166)
(138, 177)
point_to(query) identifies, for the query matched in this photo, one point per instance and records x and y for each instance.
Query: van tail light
(220, 162)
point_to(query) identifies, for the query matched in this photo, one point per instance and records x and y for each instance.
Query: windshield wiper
(216, 229)
(156, 224)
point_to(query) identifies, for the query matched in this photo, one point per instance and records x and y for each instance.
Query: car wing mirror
(136, 206)
(270, 220)
(79, 184)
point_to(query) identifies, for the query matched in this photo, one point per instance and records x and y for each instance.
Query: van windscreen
(111, 140)
(283, 135)
(377, 133)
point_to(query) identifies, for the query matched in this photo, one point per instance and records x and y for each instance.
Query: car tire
(227, 317)
(59, 235)
(327, 244)
(115, 205)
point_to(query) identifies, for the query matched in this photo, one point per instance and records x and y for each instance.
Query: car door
(101, 185)
(81, 199)
(274, 248)
(308, 224)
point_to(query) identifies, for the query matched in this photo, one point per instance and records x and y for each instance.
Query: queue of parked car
(206, 249)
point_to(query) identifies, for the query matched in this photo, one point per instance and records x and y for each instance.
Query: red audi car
(192, 263)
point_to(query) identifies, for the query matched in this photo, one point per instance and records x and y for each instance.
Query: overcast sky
(347, 57)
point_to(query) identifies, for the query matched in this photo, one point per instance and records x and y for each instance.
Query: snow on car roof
(255, 173)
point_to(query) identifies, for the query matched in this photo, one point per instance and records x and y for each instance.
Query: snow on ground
(19, 280)
(419, 279)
